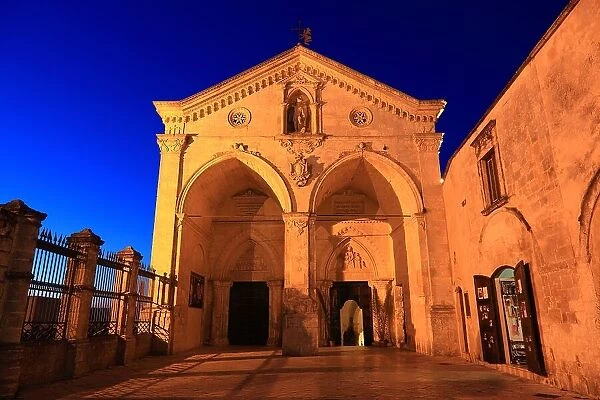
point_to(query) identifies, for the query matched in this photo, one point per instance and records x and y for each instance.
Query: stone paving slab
(336, 373)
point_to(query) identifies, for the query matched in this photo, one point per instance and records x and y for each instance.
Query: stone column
(19, 228)
(81, 272)
(301, 324)
(324, 288)
(275, 296)
(169, 185)
(444, 334)
(221, 290)
(127, 341)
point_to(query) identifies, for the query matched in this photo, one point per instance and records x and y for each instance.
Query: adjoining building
(521, 197)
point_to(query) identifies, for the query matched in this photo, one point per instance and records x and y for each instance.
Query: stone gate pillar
(127, 338)
(221, 290)
(300, 314)
(381, 309)
(324, 288)
(19, 227)
(442, 322)
(275, 297)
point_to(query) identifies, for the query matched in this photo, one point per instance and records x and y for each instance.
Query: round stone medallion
(361, 116)
(239, 117)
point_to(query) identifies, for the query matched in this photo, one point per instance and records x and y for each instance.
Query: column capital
(298, 220)
(171, 144)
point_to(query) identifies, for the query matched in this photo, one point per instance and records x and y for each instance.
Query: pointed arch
(404, 186)
(238, 245)
(254, 163)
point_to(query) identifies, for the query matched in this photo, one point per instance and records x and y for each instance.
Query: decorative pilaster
(127, 339)
(221, 290)
(171, 149)
(275, 299)
(436, 262)
(19, 228)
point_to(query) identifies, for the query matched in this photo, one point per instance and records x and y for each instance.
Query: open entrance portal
(248, 313)
(360, 292)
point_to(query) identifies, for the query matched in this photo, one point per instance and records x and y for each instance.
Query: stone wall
(545, 128)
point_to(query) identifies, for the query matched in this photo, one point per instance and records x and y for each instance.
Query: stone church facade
(310, 180)
(301, 205)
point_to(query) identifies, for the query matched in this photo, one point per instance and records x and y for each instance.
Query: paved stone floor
(337, 373)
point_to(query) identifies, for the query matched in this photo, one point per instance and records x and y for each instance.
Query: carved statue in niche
(298, 114)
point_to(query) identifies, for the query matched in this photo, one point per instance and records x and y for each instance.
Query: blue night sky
(78, 80)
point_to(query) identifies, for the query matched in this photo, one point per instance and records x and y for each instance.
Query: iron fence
(142, 322)
(51, 302)
(110, 285)
(51, 288)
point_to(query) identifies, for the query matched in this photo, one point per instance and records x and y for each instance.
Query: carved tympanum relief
(352, 260)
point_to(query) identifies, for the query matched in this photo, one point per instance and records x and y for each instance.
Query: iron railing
(110, 285)
(51, 288)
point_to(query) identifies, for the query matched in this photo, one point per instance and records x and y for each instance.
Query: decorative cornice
(428, 142)
(485, 139)
(284, 66)
(171, 143)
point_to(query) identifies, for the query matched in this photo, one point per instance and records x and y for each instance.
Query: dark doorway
(248, 313)
(359, 292)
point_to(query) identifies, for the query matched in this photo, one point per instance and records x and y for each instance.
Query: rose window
(239, 117)
(361, 117)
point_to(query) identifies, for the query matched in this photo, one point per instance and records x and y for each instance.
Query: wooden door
(491, 341)
(531, 334)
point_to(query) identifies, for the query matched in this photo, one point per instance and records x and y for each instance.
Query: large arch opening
(232, 209)
(367, 246)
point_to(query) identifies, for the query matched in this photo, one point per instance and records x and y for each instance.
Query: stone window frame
(487, 150)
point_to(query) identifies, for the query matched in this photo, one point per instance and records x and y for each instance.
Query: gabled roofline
(430, 107)
(540, 44)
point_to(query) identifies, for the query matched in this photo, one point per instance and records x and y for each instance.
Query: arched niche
(298, 113)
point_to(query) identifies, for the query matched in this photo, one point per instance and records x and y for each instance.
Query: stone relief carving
(296, 302)
(428, 143)
(485, 139)
(361, 117)
(352, 260)
(239, 117)
(300, 225)
(300, 170)
(301, 145)
(244, 148)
